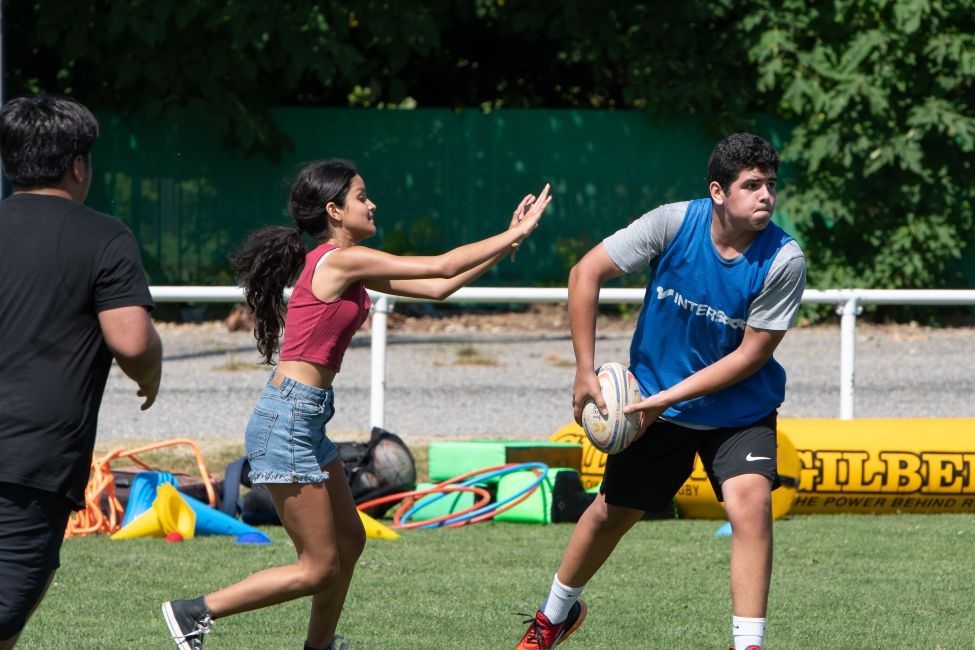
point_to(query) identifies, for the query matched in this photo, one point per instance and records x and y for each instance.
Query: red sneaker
(542, 635)
(751, 647)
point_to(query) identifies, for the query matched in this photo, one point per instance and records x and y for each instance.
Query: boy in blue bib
(724, 286)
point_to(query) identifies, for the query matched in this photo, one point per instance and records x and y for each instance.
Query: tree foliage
(231, 59)
(880, 91)
(228, 59)
(881, 94)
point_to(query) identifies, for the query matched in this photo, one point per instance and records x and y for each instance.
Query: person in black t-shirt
(73, 296)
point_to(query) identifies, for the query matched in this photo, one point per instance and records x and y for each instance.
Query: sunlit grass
(848, 582)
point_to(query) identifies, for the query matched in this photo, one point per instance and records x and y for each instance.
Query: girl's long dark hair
(271, 258)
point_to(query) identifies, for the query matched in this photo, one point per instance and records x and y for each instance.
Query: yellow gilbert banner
(884, 465)
(867, 466)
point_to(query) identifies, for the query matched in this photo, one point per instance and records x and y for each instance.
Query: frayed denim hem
(287, 477)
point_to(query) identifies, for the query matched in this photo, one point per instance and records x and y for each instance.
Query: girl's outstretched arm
(434, 276)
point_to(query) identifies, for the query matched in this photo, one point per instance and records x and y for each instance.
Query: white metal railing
(848, 303)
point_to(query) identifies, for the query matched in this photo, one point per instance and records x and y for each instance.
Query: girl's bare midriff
(306, 372)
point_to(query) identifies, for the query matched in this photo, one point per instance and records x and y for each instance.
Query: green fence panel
(440, 178)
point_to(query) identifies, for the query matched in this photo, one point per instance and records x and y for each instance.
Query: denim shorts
(285, 438)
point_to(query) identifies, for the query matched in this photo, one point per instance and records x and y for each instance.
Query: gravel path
(476, 384)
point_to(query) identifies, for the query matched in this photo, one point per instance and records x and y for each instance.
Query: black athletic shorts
(647, 474)
(32, 524)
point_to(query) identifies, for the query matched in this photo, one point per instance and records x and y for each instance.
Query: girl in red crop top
(288, 450)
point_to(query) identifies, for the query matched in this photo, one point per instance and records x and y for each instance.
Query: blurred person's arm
(135, 344)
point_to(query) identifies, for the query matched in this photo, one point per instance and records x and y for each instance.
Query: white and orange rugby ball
(613, 432)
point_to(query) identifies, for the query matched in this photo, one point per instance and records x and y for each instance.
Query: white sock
(560, 600)
(747, 631)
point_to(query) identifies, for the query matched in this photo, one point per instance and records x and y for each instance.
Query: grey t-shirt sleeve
(634, 247)
(777, 304)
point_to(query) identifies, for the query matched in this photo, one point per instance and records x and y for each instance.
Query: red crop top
(318, 331)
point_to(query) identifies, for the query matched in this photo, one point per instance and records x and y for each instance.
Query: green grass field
(840, 582)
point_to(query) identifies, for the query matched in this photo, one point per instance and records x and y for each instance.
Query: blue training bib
(694, 313)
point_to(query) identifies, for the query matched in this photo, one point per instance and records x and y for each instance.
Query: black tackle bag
(380, 467)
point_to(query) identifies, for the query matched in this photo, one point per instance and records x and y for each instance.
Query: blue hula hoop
(543, 472)
(432, 498)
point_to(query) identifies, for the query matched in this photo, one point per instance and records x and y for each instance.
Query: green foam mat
(449, 459)
(433, 507)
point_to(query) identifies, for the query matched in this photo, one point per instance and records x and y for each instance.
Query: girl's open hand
(527, 215)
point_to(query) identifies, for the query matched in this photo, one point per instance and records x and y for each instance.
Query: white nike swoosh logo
(750, 458)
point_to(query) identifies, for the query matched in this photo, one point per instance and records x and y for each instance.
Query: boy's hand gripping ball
(613, 432)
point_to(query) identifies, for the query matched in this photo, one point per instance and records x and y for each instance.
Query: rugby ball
(613, 432)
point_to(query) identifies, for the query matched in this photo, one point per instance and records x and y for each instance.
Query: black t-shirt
(60, 265)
